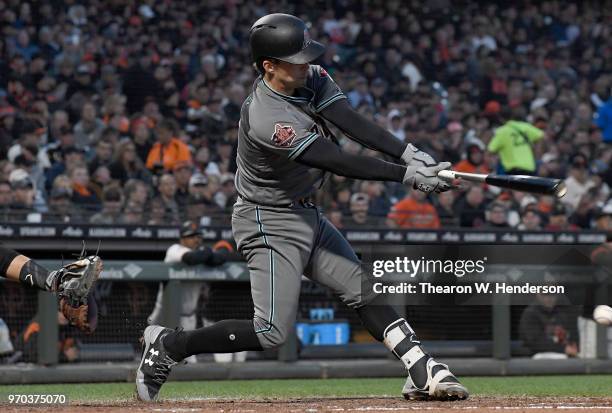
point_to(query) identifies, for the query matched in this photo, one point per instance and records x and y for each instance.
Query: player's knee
(274, 339)
(270, 335)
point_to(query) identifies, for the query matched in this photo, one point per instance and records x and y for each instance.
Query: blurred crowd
(126, 112)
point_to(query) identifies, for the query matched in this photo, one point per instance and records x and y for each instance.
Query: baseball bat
(524, 183)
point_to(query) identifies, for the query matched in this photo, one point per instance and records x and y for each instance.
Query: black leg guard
(376, 318)
(227, 336)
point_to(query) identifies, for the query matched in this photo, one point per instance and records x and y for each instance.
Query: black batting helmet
(283, 37)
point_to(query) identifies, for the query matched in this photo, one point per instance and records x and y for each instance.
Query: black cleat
(155, 365)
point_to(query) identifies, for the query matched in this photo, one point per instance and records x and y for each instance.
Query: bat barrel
(524, 183)
(533, 184)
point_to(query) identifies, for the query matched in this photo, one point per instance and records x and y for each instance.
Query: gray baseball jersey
(281, 237)
(274, 130)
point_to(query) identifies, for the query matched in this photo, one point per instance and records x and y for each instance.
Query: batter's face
(285, 76)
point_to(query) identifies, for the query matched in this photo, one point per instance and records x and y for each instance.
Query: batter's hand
(415, 157)
(425, 178)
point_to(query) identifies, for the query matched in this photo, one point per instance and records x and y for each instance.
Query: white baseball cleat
(441, 385)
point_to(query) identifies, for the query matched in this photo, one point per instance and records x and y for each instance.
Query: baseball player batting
(284, 152)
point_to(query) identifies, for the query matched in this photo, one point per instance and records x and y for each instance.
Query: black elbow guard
(196, 257)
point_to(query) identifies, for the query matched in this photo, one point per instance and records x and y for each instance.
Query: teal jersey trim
(265, 238)
(329, 101)
(303, 145)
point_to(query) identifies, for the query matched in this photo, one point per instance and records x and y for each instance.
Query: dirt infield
(479, 404)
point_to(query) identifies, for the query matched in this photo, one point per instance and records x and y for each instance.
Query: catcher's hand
(83, 316)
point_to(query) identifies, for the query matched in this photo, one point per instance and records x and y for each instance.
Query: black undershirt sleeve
(362, 130)
(195, 257)
(326, 155)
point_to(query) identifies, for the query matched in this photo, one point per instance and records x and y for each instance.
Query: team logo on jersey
(283, 135)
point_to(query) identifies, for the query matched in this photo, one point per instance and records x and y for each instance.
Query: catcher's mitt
(84, 316)
(73, 285)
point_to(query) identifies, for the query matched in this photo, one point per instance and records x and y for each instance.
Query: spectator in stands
(360, 95)
(578, 183)
(547, 326)
(69, 158)
(112, 202)
(227, 195)
(379, 201)
(27, 162)
(603, 218)
(103, 155)
(471, 207)
(204, 164)
(558, 219)
(168, 150)
(497, 216)
(127, 165)
(142, 137)
(197, 185)
(205, 189)
(136, 191)
(513, 143)
(29, 133)
(182, 172)
(60, 207)
(396, 125)
(454, 143)
(132, 213)
(474, 158)
(359, 205)
(52, 154)
(414, 211)
(22, 208)
(551, 167)
(213, 122)
(88, 130)
(156, 212)
(7, 129)
(167, 195)
(445, 207)
(585, 211)
(531, 220)
(224, 156)
(83, 194)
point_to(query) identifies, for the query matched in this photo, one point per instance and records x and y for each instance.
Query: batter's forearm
(362, 130)
(323, 154)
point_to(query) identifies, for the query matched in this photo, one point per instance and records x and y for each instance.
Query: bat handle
(447, 175)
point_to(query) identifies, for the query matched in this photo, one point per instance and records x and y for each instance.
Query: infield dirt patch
(375, 404)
